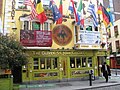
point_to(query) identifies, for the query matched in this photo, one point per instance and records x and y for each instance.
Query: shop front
(58, 65)
(101, 58)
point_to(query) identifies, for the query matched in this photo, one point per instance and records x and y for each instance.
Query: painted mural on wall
(38, 38)
(62, 35)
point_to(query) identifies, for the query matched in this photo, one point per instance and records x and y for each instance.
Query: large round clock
(62, 35)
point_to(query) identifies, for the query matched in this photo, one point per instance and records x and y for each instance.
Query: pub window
(36, 26)
(46, 26)
(96, 28)
(118, 60)
(116, 31)
(117, 44)
(55, 63)
(83, 61)
(48, 63)
(72, 62)
(81, 27)
(36, 63)
(26, 25)
(89, 28)
(78, 61)
(20, 5)
(90, 62)
(109, 33)
(42, 63)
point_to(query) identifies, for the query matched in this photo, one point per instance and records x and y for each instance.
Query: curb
(100, 86)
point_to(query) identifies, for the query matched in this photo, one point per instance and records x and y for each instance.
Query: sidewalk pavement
(75, 85)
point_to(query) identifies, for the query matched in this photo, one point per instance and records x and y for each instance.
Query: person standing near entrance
(106, 71)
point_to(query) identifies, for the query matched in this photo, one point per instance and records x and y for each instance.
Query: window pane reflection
(42, 63)
(78, 62)
(48, 63)
(72, 62)
(84, 62)
(90, 62)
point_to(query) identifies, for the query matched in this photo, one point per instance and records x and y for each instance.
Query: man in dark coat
(106, 71)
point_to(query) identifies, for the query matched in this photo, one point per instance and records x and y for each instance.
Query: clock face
(62, 35)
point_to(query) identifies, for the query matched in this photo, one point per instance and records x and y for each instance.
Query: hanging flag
(59, 21)
(76, 17)
(80, 7)
(40, 12)
(99, 11)
(80, 14)
(55, 11)
(33, 11)
(105, 15)
(71, 7)
(91, 10)
(110, 14)
(28, 2)
(33, 14)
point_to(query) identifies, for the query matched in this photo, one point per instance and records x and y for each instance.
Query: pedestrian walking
(106, 71)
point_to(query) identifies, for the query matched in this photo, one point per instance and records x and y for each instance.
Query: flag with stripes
(33, 11)
(110, 14)
(91, 10)
(40, 12)
(33, 14)
(75, 14)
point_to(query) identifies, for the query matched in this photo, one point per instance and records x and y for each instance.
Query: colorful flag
(55, 11)
(80, 7)
(76, 17)
(110, 14)
(71, 7)
(59, 21)
(40, 12)
(105, 15)
(33, 11)
(33, 14)
(91, 10)
(28, 2)
(80, 14)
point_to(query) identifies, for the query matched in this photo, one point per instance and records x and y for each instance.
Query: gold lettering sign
(60, 53)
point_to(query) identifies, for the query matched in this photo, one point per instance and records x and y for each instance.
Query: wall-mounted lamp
(14, 29)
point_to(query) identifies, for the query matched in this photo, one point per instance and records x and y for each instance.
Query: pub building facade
(58, 51)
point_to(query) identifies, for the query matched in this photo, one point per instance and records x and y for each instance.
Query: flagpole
(98, 15)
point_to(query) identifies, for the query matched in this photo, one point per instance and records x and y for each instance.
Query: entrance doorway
(64, 67)
(101, 60)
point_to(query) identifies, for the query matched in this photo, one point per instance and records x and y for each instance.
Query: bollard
(90, 79)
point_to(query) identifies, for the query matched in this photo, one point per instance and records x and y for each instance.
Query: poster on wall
(38, 38)
(89, 37)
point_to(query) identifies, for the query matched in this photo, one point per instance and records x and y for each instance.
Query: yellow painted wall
(71, 27)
